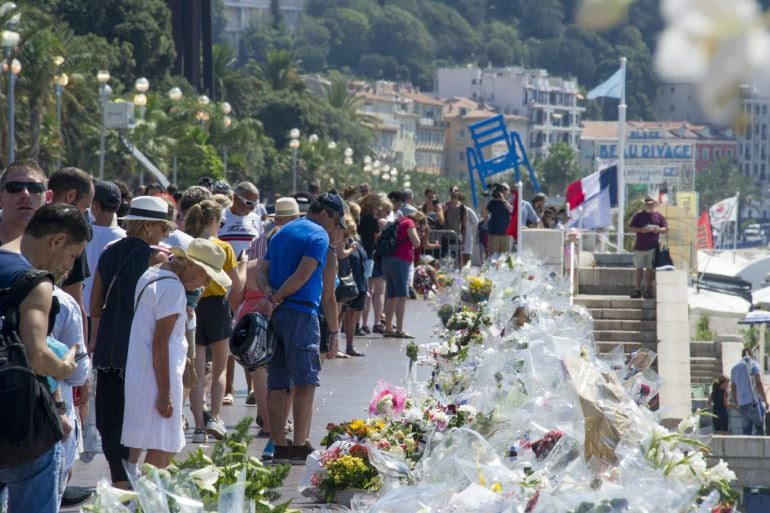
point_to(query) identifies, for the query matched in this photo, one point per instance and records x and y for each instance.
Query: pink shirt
(404, 249)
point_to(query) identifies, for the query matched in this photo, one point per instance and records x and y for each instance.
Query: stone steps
(705, 349)
(625, 324)
(704, 369)
(628, 347)
(614, 302)
(627, 314)
(626, 336)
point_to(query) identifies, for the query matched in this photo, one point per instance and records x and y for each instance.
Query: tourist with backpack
(396, 245)
(30, 447)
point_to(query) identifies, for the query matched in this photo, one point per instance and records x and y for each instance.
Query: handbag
(663, 260)
(347, 290)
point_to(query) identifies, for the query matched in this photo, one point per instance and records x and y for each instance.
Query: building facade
(242, 14)
(678, 101)
(430, 132)
(550, 104)
(754, 138)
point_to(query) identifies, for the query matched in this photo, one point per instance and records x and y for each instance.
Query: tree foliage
(560, 168)
(721, 180)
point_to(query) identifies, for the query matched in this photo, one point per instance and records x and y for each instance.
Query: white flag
(722, 213)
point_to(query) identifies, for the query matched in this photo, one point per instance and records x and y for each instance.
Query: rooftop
(666, 130)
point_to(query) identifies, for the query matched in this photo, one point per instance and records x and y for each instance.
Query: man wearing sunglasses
(240, 225)
(22, 192)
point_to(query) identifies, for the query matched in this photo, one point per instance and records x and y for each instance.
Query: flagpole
(622, 156)
(519, 191)
(737, 218)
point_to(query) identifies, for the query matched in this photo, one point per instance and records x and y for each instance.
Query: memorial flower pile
(345, 466)
(521, 413)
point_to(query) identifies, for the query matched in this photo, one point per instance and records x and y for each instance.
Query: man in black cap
(647, 225)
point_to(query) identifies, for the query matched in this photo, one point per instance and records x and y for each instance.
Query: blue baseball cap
(335, 203)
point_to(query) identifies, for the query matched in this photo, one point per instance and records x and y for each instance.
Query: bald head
(246, 187)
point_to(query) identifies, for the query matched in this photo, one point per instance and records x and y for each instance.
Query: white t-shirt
(102, 236)
(239, 231)
(68, 329)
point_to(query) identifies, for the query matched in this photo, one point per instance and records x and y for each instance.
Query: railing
(450, 252)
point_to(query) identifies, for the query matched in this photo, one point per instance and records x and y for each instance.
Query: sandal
(352, 352)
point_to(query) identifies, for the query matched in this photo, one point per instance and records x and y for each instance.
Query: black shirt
(367, 229)
(79, 271)
(499, 217)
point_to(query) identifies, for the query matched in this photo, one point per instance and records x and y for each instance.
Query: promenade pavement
(344, 394)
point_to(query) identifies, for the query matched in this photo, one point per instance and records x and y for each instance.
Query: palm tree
(280, 71)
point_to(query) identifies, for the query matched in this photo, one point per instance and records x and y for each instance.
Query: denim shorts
(297, 359)
(396, 272)
(368, 268)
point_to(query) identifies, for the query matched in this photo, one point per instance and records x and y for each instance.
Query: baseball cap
(107, 193)
(336, 204)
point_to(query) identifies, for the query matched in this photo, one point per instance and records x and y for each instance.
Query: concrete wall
(673, 344)
(545, 245)
(747, 456)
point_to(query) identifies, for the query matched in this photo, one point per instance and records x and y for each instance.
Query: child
(719, 401)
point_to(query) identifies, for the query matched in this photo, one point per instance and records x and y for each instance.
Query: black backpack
(388, 242)
(30, 425)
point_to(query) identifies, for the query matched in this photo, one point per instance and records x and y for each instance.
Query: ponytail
(200, 215)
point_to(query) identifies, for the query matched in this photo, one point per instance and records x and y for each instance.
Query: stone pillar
(673, 345)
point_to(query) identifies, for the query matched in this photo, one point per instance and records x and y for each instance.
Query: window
(717, 153)
(704, 154)
(461, 133)
(673, 89)
(729, 153)
(460, 156)
(671, 108)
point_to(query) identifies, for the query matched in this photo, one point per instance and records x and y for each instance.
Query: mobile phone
(435, 202)
(242, 255)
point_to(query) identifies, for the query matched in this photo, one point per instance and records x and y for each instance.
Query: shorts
(644, 259)
(357, 304)
(396, 272)
(499, 244)
(214, 320)
(297, 359)
(377, 268)
(368, 268)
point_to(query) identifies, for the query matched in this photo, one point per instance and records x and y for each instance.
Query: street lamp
(348, 156)
(9, 41)
(294, 145)
(376, 172)
(332, 145)
(140, 101)
(174, 94)
(60, 81)
(202, 116)
(312, 139)
(103, 77)
(226, 122)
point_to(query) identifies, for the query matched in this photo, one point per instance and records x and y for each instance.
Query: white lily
(720, 472)
(716, 44)
(205, 478)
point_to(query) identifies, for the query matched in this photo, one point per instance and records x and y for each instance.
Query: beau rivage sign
(648, 145)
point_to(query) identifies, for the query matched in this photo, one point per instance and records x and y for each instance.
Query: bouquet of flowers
(445, 312)
(345, 465)
(477, 290)
(356, 430)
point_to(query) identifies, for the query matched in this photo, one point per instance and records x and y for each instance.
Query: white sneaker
(199, 436)
(216, 428)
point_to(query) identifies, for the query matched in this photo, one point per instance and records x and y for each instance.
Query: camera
(496, 190)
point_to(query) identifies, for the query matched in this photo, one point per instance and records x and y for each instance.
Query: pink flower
(387, 400)
(316, 479)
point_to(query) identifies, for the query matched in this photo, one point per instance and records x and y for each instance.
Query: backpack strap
(139, 297)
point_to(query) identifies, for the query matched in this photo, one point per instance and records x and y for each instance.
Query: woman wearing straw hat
(158, 350)
(112, 309)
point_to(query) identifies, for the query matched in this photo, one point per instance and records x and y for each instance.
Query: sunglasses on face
(247, 202)
(32, 187)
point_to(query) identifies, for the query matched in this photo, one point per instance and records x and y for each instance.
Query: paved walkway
(345, 391)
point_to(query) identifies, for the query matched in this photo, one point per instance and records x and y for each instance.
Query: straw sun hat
(207, 255)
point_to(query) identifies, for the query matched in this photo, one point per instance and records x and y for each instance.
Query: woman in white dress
(157, 351)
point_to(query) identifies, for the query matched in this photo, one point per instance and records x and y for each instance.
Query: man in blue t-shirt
(54, 237)
(749, 394)
(291, 276)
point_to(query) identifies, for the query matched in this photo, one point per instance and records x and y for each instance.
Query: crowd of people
(144, 291)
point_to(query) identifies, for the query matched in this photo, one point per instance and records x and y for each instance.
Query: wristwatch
(61, 406)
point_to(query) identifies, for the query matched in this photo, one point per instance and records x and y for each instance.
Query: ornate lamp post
(60, 81)
(294, 145)
(103, 77)
(174, 94)
(10, 38)
(348, 156)
(140, 101)
(227, 109)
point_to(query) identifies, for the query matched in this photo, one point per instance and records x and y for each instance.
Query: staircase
(705, 362)
(618, 319)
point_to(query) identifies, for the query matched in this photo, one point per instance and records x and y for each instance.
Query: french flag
(592, 198)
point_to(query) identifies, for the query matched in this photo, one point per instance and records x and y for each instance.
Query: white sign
(119, 115)
(648, 151)
(651, 175)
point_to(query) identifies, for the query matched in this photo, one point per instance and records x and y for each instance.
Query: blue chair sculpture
(485, 135)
